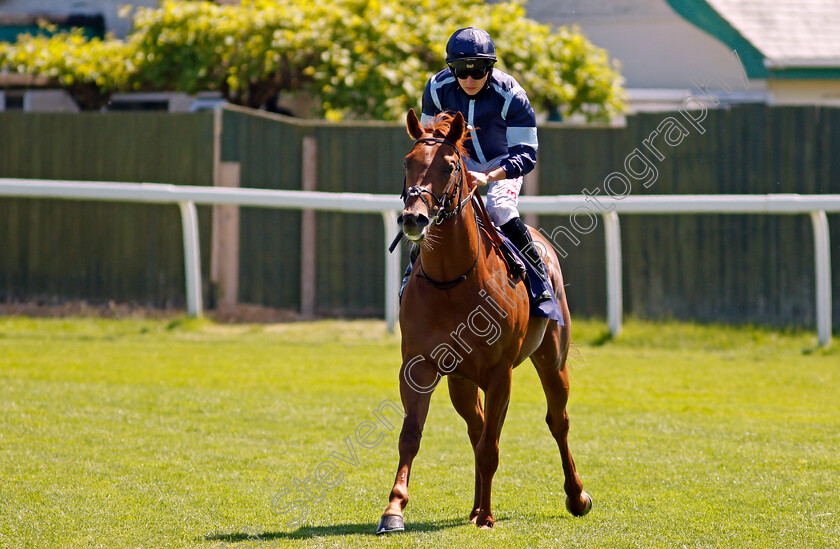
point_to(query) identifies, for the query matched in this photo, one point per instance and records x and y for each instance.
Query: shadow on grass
(307, 532)
(601, 339)
(820, 350)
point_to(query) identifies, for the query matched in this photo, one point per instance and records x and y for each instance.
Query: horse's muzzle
(413, 225)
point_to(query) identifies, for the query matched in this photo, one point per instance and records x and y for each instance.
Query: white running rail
(816, 206)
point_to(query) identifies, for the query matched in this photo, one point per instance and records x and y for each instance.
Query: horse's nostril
(422, 220)
(407, 219)
(400, 220)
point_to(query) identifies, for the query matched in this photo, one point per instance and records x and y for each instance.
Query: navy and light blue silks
(502, 113)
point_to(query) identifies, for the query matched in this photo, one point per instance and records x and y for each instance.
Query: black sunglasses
(464, 70)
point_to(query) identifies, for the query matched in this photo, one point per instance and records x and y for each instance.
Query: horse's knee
(559, 427)
(475, 434)
(410, 441)
(487, 458)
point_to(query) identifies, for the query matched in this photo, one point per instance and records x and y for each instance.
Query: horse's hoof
(586, 508)
(390, 523)
(484, 523)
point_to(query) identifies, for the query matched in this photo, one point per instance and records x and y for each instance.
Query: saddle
(516, 264)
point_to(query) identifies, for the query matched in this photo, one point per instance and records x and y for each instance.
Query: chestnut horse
(458, 320)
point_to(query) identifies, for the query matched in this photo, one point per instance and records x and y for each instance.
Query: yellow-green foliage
(90, 68)
(360, 58)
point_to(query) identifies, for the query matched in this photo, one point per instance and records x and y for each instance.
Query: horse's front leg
(417, 381)
(467, 402)
(487, 449)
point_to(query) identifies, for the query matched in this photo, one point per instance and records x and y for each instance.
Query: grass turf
(179, 433)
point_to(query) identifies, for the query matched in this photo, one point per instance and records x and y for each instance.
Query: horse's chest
(465, 340)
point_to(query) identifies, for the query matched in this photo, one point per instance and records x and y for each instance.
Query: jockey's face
(471, 86)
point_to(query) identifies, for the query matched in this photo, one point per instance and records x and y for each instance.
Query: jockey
(502, 127)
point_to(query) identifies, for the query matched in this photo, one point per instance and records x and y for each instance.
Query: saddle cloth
(536, 285)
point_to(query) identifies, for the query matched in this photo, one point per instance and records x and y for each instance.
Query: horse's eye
(451, 168)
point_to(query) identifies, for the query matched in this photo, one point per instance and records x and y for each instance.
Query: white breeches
(502, 196)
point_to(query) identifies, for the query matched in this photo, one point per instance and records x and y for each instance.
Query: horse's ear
(414, 128)
(456, 128)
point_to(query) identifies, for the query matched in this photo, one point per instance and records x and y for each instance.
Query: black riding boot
(518, 233)
(412, 257)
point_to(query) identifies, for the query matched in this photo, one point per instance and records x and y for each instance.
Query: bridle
(442, 213)
(450, 192)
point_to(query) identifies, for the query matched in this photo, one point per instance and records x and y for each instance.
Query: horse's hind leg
(487, 449)
(466, 399)
(550, 361)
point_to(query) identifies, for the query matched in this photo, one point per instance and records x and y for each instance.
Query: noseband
(452, 190)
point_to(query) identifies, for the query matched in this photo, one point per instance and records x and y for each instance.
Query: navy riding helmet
(470, 43)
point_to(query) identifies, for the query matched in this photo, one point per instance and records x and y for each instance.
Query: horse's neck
(454, 246)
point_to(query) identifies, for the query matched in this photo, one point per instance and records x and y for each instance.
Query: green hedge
(358, 58)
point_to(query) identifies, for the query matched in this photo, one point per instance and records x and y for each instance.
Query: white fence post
(192, 258)
(615, 305)
(822, 266)
(392, 272)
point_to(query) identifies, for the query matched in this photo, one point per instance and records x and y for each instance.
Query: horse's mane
(439, 127)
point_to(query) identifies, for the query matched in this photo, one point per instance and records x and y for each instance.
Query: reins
(442, 213)
(481, 213)
(449, 284)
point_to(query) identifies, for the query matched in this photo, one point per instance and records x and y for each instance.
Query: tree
(359, 58)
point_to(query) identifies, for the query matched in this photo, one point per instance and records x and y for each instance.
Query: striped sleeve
(521, 134)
